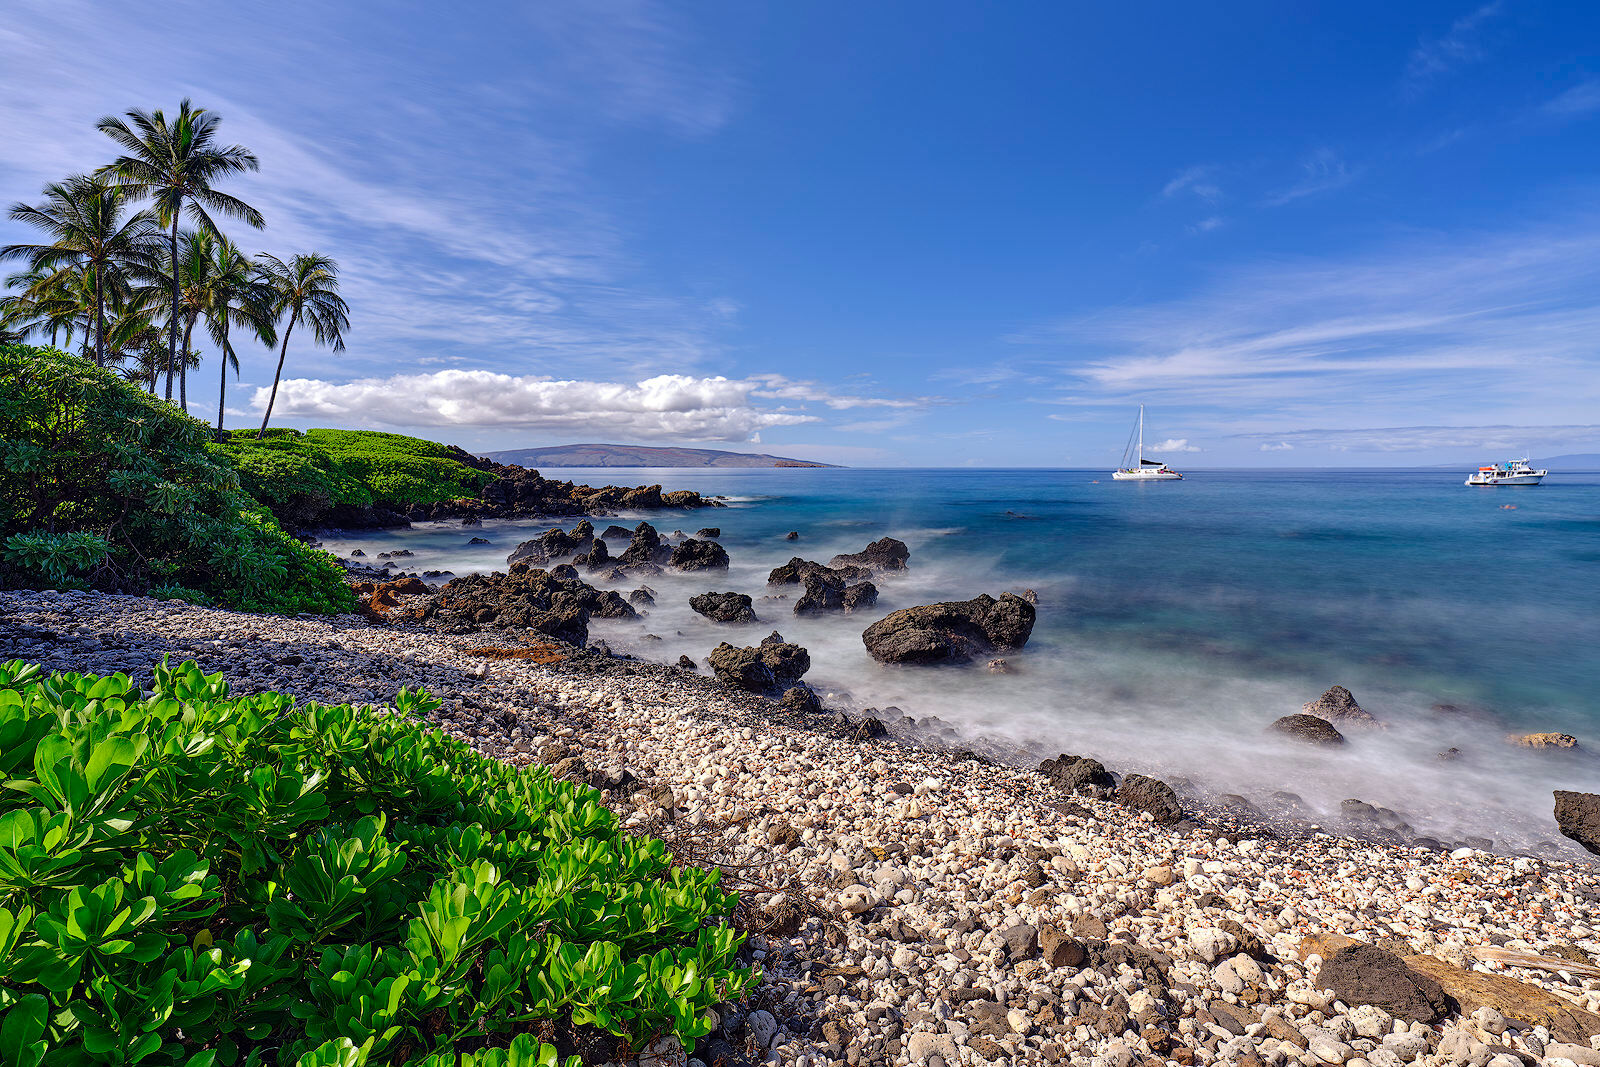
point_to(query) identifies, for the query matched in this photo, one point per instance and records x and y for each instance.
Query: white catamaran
(1141, 469)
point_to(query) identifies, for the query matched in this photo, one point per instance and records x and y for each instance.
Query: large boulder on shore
(723, 607)
(1078, 774)
(1578, 817)
(797, 570)
(1367, 974)
(644, 547)
(823, 595)
(1153, 795)
(884, 554)
(760, 670)
(553, 545)
(525, 599)
(1308, 730)
(1339, 707)
(695, 555)
(952, 632)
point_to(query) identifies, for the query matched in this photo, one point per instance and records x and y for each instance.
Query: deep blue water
(1177, 619)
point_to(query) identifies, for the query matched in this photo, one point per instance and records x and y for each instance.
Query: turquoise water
(1176, 620)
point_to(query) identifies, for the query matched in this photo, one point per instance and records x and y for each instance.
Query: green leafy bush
(351, 467)
(103, 484)
(190, 878)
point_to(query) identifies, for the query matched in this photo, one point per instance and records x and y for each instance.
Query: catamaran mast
(1140, 465)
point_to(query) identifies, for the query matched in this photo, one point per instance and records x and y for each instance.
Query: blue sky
(898, 233)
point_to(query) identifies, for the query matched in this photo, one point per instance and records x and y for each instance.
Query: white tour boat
(1517, 472)
(1141, 469)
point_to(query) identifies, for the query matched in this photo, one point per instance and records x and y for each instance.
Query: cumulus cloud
(1175, 444)
(668, 406)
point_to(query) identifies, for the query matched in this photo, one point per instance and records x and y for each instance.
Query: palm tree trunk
(172, 339)
(273, 399)
(183, 368)
(99, 321)
(222, 393)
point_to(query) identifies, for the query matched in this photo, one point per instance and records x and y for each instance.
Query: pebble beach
(915, 906)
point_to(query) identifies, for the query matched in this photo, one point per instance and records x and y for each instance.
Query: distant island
(639, 456)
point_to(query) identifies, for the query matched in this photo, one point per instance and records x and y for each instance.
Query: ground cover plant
(103, 485)
(356, 467)
(192, 878)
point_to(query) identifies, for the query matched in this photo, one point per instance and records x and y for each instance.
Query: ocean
(1178, 619)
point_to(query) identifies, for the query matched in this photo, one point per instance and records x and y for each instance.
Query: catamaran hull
(1146, 476)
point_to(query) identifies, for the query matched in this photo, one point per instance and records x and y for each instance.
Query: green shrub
(189, 878)
(351, 467)
(103, 484)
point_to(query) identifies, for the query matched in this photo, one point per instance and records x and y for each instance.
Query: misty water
(1178, 619)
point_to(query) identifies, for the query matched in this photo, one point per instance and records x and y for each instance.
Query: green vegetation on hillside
(103, 485)
(189, 878)
(351, 467)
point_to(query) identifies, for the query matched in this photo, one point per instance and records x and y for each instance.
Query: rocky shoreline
(913, 906)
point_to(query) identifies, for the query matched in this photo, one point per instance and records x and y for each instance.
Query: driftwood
(1512, 957)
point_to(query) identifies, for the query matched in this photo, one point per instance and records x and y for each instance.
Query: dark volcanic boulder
(801, 698)
(1078, 774)
(859, 597)
(696, 555)
(1338, 706)
(479, 541)
(951, 632)
(553, 544)
(642, 596)
(723, 607)
(1152, 795)
(597, 558)
(1308, 729)
(797, 570)
(709, 531)
(884, 554)
(1578, 816)
(792, 535)
(820, 596)
(774, 638)
(525, 599)
(643, 547)
(1367, 974)
(617, 533)
(759, 670)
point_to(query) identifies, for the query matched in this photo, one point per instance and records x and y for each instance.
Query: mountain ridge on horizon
(611, 455)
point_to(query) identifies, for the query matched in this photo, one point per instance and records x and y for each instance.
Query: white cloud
(1459, 46)
(777, 387)
(1175, 444)
(668, 406)
(1579, 100)
(1486, 329)
(1206, 225)
(1519, 439)
(1196, 180)
(1321, 172)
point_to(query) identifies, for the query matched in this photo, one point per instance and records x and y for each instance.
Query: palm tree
(49, 302)
(196, 259)
(89, 235)
(176, 163)
(306, 287)
(238, 298)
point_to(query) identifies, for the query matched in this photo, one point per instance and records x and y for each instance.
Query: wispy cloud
(778, 387)
(1581, 99)
(1323, 171)
(665, 407)
(1196, 180)
(1490, 327)
(1460, 45)
(1426, 438)
(1206, 225)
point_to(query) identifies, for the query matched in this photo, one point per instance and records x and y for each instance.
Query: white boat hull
(1146, 476)
(1506, 479)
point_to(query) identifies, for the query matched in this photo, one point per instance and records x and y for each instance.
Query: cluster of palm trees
(117, 272)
